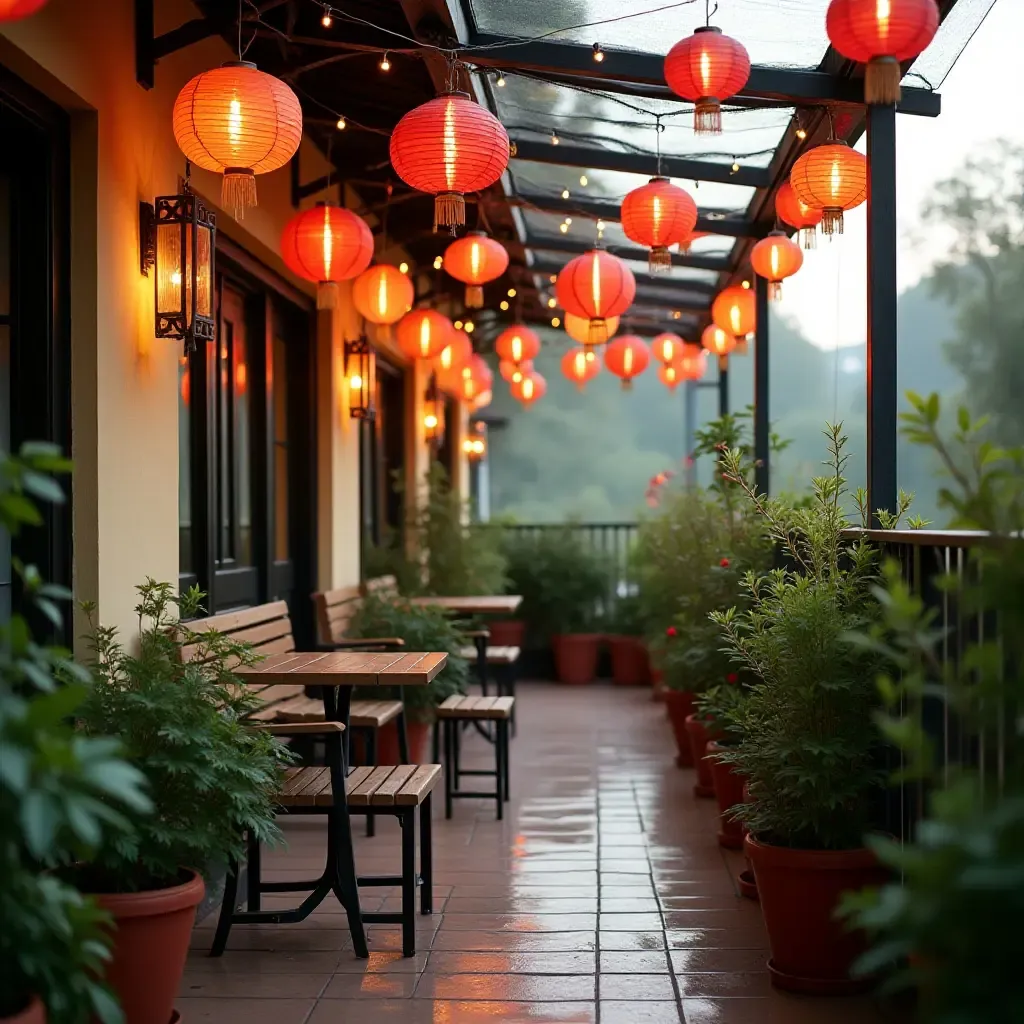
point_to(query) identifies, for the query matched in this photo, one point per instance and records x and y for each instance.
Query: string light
(327, 20)
(500, 81)
(565, 193)
(598, 53)
(438, 262)
(458, 325)
(746, 284)
(554, 138)
(342, 124)
(552, 303)
(385, 64)
(555, 322)
(676, 315)
(470, 327)
(600, 225)
(801, 133)
(503, 305)
(568, 220)
(553, 278)
(735, 165)
(584, 180)
(511, 293)
(403, 267)
(564, 228)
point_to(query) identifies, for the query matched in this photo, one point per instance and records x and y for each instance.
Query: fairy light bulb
(438, 262)
(554, 138)
(564, 228)
(327, 20)
(565, 193)
(470, 327)
(555, 322)
(552, 303)
(458, 325)
(598, 53)
(342, 124)
(511, 293)
(503, 305)
(500, 81)
(403, 268)
(584, 180)
(385, 64)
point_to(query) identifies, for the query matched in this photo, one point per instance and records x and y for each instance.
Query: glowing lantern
(687, 243)
(449, 146)
(482, 400)
(668, 347)
(424, 333)
(513, 371)
(327, 244)
(596, 285)
(657, 215)
(578, 328)
(627, 357)
(735, 311)
(517, 344)
(776, 258)
(433, 419)
(382, 294)
(707, 67)
(580, 366)
(692, 363)
(530, 388)
(798, 215)
(13, 10)
(455, 354)
(719, 343)
(360, 375)
(831, 178)
(239, 122)
(474, 446)
(881, 34)
(469, 381)
(475, 260)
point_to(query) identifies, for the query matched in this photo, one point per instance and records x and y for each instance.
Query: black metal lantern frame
(359, 373)
(475, 444)
(433, 414)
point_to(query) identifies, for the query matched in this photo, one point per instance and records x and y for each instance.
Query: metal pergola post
(723, 390)
(761, 426)
(881, 286)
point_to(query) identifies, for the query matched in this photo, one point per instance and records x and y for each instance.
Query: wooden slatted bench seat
(495, 655)
(451, 715)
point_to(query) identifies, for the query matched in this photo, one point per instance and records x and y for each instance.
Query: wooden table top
(487, 604)
(352, 668)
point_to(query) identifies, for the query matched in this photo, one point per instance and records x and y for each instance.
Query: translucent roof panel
(931, 68)
(532, 109)
(781, 33)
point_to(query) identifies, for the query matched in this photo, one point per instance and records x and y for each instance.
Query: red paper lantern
(735, 311)
(627, 357)
(687, 243)
(530, 388)
(327, 244)
(881, 34)
(707, 67)
(482, 400)
(474, 379)
(578, 328)
(596, 286)
(796, 214)
(512, 372)
(692, 364)
(237, 121)
(455, 354)
(831, 178)
(475, 260)
(581, 366)
(449, 146)
(719, 343)
(776, 258)
(657, 215)
(424, 333)
(517, 344)
(382, 294)
(668, 347)
(13, 10)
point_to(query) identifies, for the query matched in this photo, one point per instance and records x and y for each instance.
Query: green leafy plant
(61, 793)
(722, 707)
(953, 920)
(183, 724)
(423, 628)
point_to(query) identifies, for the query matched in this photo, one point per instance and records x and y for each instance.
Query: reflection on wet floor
(603, 896)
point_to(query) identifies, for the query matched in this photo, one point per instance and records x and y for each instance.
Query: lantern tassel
(598, 332)
(707, 116)
(449, 210)
(882, 80)
(238, 191)
(832, 221)
(659, 260)
(809, 237)
(327, 295)
(474, 296)
(774, 291)
(627, 383)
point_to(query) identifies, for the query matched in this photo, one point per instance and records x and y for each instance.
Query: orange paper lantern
(512, 372)
(668, 347)
(449, 146)
(578, 328)
(238, 122)
(687, 243)
(455, 354)
(719, 343)
(475, 379)
(735, 311)
(424, 333)
(776, 258)
(13, 10)
(796, 214)
(831, 178)
(692, 364)
(596, 285)
(475, 260)
(580, 365)
(657, 215)
(627, 357)
(382, 294)
(517, 344)
(530, 388)
(707, 67)
(881, 34)
(482, 400)
(327, 244)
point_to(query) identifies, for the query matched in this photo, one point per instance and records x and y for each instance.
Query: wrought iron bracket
(147, 238)
(149, 47)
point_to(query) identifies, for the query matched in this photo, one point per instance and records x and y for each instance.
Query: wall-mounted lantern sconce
(475, 444)
(178, 237)
(433, 415)
(360, 371)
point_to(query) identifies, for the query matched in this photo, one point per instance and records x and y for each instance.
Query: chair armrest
(298, 728)
(476, 634)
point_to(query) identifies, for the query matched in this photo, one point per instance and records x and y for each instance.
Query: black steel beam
(646, 71)
(149, 48)
(723, 390)
(881, 285)
(762, 426)
(639, 163)
(717, 264)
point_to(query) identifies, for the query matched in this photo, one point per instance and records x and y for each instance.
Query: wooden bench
(451, 715)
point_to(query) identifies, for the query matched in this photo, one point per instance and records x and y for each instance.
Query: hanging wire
(658, 129)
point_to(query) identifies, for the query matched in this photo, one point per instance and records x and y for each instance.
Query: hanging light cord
(658, 129)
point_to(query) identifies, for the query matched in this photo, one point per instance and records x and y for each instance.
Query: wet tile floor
(603, 898)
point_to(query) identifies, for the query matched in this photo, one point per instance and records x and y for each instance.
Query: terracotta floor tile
(629, 922)
(631, 1012)
(635, 987)
(506, 987)
(244, 1011)
(524, 942)
(255, 986)
(703, 960)
(242, 962)
(390, 962)
(726, 984)
(633, 961)
(547, 922)
(628, 905)
(371, 986)
(512, 963)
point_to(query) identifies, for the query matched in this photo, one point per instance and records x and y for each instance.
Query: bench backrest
(267, 627)
(382, 586)
(334, 610)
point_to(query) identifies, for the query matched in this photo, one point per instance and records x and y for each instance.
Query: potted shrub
(60, 794)
(630, 662)
(212, 779)
(809, 746)
(721, 708)
(423, 628)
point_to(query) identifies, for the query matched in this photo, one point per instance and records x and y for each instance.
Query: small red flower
(732, 678)
(671, 631)
(724, 563)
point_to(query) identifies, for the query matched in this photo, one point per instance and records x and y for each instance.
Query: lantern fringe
(774, 291)
(707, 116)
(627, 384)
(238, 191)
(832, 222)
(327, 295)
(659, 260)
(809, 237)
(685, 246)
(598, 332)
(449, 210)
(882, 80)
(474, 296)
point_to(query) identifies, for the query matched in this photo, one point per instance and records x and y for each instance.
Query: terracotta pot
(799, 891)
(34, 1013)
(631, 665)
(151, 936)
(507, 633)
(417, 734)
(699, 739)
(679, 705)
(747, 884)
(729, 786)
(657, 684)
(575, 657)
